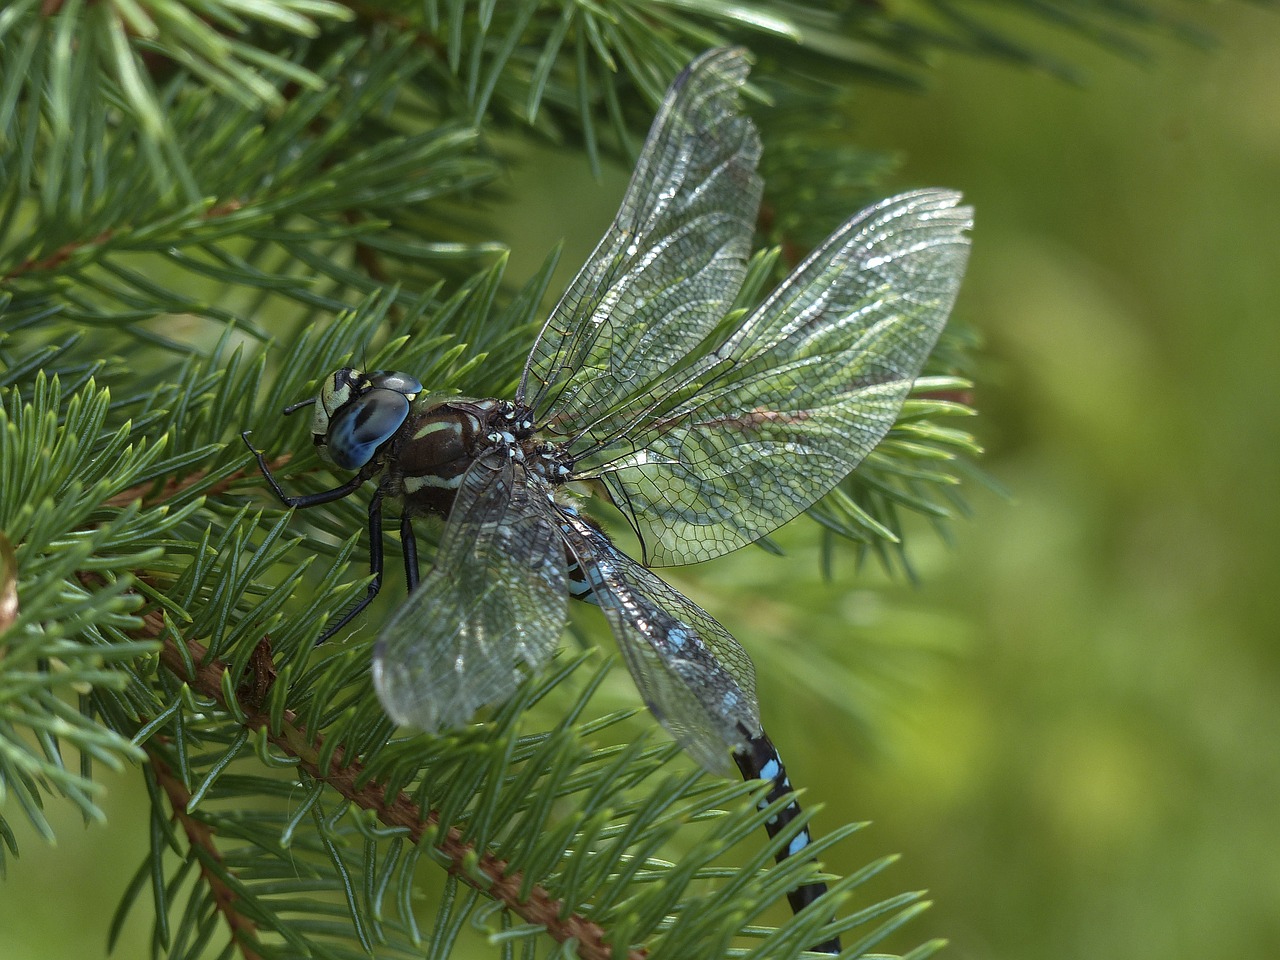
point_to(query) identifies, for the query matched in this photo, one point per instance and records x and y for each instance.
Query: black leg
(328, 496)
(759, 760)
(409, 550)
(311, 499)
(375, 568)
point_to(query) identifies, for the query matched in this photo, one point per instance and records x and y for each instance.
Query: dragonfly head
(356, 413)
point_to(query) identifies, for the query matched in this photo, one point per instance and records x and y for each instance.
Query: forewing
(807, 386)
(495, 602)
(691, 672)
(669, 266)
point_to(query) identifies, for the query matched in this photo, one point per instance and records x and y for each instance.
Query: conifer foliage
(207, 205)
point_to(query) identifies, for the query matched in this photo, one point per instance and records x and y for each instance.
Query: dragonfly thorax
(438, 441)
(427, 457)
(422, 443)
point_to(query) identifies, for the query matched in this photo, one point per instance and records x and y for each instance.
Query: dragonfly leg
(328, 496)
(409, 550)
(310, 499)
(759, 760)
(376, 567)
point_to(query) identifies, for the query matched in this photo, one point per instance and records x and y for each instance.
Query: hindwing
(493, 605)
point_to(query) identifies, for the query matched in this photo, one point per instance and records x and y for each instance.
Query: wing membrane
(669, 266)
(691, 672)
(802, 392)
(495, 601)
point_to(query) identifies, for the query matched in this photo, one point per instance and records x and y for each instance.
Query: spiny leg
(310, 499)
(409, 551)
(375, 530)
(376, 568)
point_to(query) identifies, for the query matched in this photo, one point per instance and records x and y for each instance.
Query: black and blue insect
(704, 438)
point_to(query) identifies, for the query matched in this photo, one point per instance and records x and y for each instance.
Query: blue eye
(362, 426)
(394, 380)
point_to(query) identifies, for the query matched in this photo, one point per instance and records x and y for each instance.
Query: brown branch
(58, 257)
(345, 774)
(69, 249)
(65, 252)
(201, 838)
(174, 486)
(8, 586)
(365, 255)
(400, 24)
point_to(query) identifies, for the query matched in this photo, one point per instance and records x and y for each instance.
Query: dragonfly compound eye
(394, 380)
(363, 425)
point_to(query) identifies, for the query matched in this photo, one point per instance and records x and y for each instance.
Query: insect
(705, 439)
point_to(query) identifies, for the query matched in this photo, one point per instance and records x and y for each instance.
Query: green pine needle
(205, 207)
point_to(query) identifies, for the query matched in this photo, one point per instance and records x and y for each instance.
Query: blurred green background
(1069, 729)
(1096, 772)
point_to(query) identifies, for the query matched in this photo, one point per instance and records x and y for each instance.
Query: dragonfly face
(357, 413)
(704, 444)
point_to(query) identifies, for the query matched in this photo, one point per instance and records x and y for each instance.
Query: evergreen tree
(207, 206)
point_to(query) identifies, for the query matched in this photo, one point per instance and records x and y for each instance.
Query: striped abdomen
(757, 759)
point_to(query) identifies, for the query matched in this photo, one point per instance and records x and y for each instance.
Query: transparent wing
(800, 393)
(669, 266)
(694, 676)
(495, 601)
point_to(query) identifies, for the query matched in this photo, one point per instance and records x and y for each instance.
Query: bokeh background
(1070, 728)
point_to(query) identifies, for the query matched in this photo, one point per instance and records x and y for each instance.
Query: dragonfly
(707, 428)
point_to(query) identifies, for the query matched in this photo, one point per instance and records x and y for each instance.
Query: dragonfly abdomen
(759, 760)
(756, 757)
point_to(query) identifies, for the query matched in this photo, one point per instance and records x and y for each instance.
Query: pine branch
(350, 779)
(203, 843)
(211, 205)
(220, 595)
